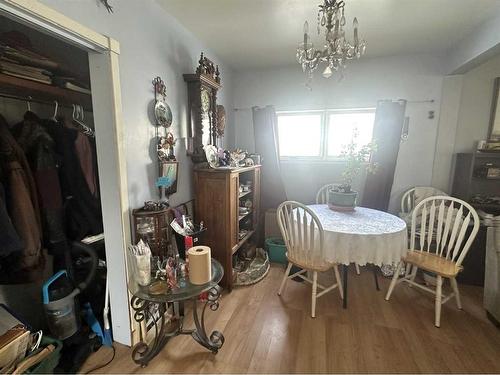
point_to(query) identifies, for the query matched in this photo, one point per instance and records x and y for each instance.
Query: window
(322, 135)
(300, 134)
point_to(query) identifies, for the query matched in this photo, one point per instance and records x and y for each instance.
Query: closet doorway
(105, 103)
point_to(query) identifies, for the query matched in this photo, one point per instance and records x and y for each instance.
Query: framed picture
(169, 173)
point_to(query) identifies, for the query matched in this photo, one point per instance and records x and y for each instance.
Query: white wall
(414, 78)
(152, 43)
(465, 117)
(447, 129)
(475, 104)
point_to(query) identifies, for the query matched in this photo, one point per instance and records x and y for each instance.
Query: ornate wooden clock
(202, 108)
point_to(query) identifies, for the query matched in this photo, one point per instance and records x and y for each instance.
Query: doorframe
(111, 159)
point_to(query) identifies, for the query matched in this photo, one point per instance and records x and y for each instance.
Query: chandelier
(337, 49)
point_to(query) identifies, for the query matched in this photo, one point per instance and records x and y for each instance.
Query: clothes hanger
(78, 117)
(54, 117)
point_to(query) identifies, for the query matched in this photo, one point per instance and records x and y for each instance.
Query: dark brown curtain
(266, 144)
(389, 120)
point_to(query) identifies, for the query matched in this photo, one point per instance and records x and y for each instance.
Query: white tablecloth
(362, 236)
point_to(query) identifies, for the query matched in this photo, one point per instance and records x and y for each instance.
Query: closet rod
(29, 99)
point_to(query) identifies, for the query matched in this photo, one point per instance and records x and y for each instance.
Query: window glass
(299, 135)
(343, 126)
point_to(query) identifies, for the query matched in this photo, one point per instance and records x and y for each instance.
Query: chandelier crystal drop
(337, 49)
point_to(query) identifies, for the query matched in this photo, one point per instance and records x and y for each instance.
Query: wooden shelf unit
(25, 88)
(217, 204)
(465, 186)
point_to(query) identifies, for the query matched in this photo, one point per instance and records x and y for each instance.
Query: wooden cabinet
(471, 181)
(218, 201)
(472, 184)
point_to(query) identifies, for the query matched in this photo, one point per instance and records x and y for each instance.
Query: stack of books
(22, 63)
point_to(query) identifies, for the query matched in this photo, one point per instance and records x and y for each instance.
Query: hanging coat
(39, 148)
(22, 206)
(82, 209)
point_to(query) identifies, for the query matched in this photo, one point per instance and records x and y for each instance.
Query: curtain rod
(408, 101)
(29, 99)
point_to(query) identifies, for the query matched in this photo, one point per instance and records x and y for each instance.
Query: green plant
(356, 159)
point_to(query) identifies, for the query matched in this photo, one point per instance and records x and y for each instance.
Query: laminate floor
(270, 334)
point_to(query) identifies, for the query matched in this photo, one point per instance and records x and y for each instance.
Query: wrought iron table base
(143, 352)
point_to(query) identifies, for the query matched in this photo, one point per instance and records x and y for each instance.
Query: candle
(306, 31)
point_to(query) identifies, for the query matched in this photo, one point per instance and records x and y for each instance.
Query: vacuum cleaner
(59, 297)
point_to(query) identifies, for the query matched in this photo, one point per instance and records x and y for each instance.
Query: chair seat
(320, 267)
(432, 263)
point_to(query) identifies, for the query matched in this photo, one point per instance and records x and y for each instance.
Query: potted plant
(357, 159)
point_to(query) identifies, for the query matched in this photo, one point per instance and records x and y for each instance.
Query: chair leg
(408, 270)
(454, 286)
(413, 274)
(285, 278)
(339, 281)
(439, 294)
(357, 269)
(394, 280)
(313, 296)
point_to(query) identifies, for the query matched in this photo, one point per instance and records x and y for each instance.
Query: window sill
(312, 161)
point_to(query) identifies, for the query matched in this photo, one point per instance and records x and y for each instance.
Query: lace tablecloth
(362, 236)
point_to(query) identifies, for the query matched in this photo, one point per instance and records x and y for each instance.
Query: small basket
(48, 365)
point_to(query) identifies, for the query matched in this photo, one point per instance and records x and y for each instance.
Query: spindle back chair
(439, 243)
(304, 239)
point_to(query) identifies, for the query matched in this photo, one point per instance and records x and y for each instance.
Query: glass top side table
(150, 307)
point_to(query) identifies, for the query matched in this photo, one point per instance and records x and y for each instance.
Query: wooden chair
(441, 252)
(408, 199)
(304, 239)
(322, 198)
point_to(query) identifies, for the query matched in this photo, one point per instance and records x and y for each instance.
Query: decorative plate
(211, 154)
(163, 114)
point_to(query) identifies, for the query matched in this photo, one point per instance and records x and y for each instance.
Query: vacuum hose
(81, 248)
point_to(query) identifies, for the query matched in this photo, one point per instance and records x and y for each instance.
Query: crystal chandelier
(337, 49)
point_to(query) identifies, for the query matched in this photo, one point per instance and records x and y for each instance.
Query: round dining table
(362, 236)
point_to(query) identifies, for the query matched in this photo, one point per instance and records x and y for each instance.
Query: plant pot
(339, 201)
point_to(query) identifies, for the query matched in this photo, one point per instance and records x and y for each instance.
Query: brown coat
(22, 205)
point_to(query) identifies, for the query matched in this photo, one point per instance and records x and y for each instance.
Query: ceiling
(250, 34)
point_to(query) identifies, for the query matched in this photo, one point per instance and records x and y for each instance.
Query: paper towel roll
(200, 267)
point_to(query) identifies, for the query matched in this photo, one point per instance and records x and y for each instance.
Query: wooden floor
(270, 334)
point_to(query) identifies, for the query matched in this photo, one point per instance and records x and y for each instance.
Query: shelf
(42, 92)
(240, 217)
(486, 178)
(245, 193)
(487, 154)
(486, 206)
(242, 241)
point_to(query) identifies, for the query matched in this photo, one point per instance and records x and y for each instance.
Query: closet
(49, 179)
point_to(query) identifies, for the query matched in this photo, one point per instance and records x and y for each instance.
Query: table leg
(215, 341)
(345, 268)
(154, 312)
(374, 267)
(146, 311)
